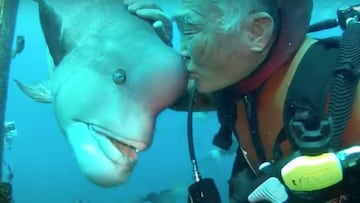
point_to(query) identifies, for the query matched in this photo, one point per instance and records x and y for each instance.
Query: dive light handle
(311, 173)
(324, 174)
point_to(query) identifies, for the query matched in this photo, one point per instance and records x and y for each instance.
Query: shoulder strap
(309, 88)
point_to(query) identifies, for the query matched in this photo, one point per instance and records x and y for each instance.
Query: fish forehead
(106, 35)
(108, 17)
(70, 24)
(107, 55)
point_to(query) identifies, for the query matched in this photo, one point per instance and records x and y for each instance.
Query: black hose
(323, 25)
(203, 190)
(190, 126)
(345, 83)
(190, 135)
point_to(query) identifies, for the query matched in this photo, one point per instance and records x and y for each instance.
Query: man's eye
(188, 32)
(187, 28)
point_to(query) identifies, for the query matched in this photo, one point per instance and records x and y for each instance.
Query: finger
(128, 2)
(155, 15)
(135, 6)
(163, 33)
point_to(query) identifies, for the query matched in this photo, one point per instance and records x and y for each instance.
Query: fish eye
(119, 76)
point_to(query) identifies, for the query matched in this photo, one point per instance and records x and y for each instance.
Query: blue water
(45, 170)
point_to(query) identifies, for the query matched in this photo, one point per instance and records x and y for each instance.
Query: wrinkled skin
(105, 119)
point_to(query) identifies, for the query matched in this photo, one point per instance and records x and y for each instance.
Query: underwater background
(44, 168)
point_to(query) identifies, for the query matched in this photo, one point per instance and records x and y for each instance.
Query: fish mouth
(128, 147)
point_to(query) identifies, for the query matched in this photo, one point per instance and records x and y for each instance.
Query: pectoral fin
(39, 92)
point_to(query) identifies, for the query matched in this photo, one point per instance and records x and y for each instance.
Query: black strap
(226, 113)
(250, 101)
(226, 109)
(277, 152)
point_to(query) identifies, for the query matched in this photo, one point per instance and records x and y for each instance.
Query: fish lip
(136, 145)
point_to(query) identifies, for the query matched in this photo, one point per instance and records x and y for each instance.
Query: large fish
(112, 76)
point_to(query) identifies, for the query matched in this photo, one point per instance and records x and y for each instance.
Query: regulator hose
(345, 82)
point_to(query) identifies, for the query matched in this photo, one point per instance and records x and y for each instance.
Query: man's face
(214, 58)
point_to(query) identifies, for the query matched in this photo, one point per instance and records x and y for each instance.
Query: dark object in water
(5, 192)
(164, 196)
(20, 45)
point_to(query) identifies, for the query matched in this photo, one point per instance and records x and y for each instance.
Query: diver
(19, 46)
(271, 84)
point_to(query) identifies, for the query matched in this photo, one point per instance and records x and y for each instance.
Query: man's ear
(260, 26)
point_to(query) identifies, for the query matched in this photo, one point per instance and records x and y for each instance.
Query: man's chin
(207, 88)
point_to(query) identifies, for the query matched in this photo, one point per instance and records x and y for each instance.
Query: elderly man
(244, 56)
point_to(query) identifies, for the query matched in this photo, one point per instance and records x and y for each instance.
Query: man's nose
(183, 48)
(184, 51)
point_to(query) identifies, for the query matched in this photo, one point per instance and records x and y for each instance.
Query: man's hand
(152, 13)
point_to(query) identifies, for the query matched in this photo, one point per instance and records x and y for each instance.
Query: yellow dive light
(309, 173)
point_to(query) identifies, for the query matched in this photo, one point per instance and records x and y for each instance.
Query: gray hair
(233, 11)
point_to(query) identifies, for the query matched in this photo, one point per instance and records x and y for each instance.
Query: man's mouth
(129, 148)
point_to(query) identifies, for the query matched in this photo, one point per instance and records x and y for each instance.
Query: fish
(110, 77)
(166, 195)
(19, 46)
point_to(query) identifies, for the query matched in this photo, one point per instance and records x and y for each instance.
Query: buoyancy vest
(260, 113)
(270, 106)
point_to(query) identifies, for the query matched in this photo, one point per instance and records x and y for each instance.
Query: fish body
(112, 75)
